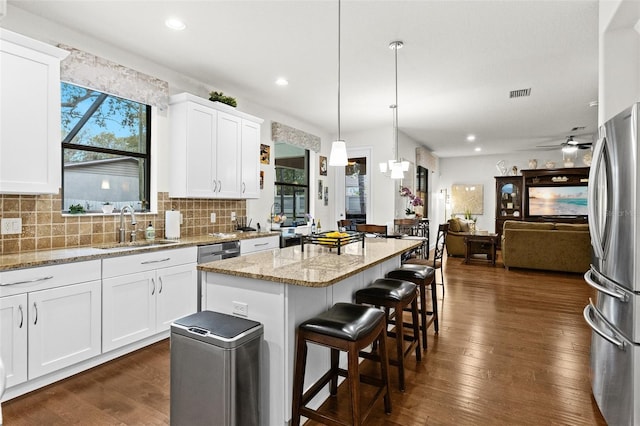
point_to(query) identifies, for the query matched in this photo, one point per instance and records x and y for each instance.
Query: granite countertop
(101, 251)
(316, 266)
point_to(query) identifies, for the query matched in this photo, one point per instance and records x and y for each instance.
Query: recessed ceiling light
(282, 81)
(175, 24)
(471, 138)
(477, 149)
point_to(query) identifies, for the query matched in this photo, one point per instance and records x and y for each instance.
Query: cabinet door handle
(153, 288)
(244, 187)
(35, 280)
(215, 185)
(155, 261)
(21, 316)
(160, 279)
(219, 186)
(261, 244)
(35, 311)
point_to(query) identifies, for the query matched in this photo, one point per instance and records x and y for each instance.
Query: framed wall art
(467, 199)
(265, 154)
(323, 166)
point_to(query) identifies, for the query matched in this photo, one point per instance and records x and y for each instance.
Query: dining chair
(438, 252)
(380, 230)
(347, 224)
(406, 226)
(413, 228)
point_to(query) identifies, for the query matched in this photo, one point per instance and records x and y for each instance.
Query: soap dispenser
(150, 233)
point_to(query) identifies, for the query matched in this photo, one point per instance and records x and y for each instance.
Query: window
(291, 182)
(106, 144)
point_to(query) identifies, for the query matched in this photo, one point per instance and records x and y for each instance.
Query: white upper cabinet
(214, 150)
(227, 160)
(250, 159)
(30, 115)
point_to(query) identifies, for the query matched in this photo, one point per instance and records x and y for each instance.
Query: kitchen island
(283, 287)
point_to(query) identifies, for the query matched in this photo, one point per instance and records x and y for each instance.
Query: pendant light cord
(396, 107)
(339, 25)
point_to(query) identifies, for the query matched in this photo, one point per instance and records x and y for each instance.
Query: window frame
(146, 156)
(294, 186)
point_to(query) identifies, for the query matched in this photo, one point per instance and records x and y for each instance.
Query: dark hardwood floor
(513, 349)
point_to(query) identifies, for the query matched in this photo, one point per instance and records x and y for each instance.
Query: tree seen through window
(106, 144)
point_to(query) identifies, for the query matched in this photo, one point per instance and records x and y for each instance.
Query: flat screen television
(557, 200)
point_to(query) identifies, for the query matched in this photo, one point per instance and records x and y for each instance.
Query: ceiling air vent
(577, 128)
(520, 93)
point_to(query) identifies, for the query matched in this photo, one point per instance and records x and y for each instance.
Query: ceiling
(459, 63)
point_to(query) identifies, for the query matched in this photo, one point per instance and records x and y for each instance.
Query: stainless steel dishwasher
(212, 252)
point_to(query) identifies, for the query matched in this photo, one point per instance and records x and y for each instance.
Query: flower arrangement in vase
(413, 201)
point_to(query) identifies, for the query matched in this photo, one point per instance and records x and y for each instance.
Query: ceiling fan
(569, 145)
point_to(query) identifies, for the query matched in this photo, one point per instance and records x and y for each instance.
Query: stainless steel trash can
(215, 370)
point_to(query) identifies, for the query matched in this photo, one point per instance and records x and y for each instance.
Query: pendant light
(396, 166)
(338, 155)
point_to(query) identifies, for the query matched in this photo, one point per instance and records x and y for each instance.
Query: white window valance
(87, 70)
(292, 136)
(426, 159)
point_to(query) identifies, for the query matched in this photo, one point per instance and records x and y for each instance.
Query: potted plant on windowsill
(76, 209)
(107, 208)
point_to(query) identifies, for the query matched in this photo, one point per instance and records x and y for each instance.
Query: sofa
(564, 247)
(458, 229)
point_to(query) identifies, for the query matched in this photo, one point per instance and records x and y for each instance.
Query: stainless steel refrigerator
(614, 315)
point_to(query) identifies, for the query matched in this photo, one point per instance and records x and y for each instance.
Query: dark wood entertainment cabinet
(512, 199)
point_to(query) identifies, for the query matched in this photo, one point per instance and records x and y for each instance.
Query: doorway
(354, 201)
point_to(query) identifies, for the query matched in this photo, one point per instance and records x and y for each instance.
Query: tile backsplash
(45, 227)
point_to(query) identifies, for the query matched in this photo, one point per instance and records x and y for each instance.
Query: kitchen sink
(136, 244)
(222, 235)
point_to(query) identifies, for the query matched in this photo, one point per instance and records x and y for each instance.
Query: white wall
(258, 210)
(619, 57)
(482, 170)
(386, 204)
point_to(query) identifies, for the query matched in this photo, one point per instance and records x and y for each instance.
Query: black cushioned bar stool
(396, 295)
(346, 327)
(423, 276)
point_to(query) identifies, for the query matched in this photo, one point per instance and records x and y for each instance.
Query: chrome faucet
(133, 223)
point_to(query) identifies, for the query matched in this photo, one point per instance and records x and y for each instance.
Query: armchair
(458, 229)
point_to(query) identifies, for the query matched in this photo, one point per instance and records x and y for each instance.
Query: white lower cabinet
(254, 245)
(140, 304)
(13, 337)
(49, 319)
(64, 327)
(58, 320)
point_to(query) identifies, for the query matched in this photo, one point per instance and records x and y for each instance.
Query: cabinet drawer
(44, 277)
(115, 266)
(259, 244)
